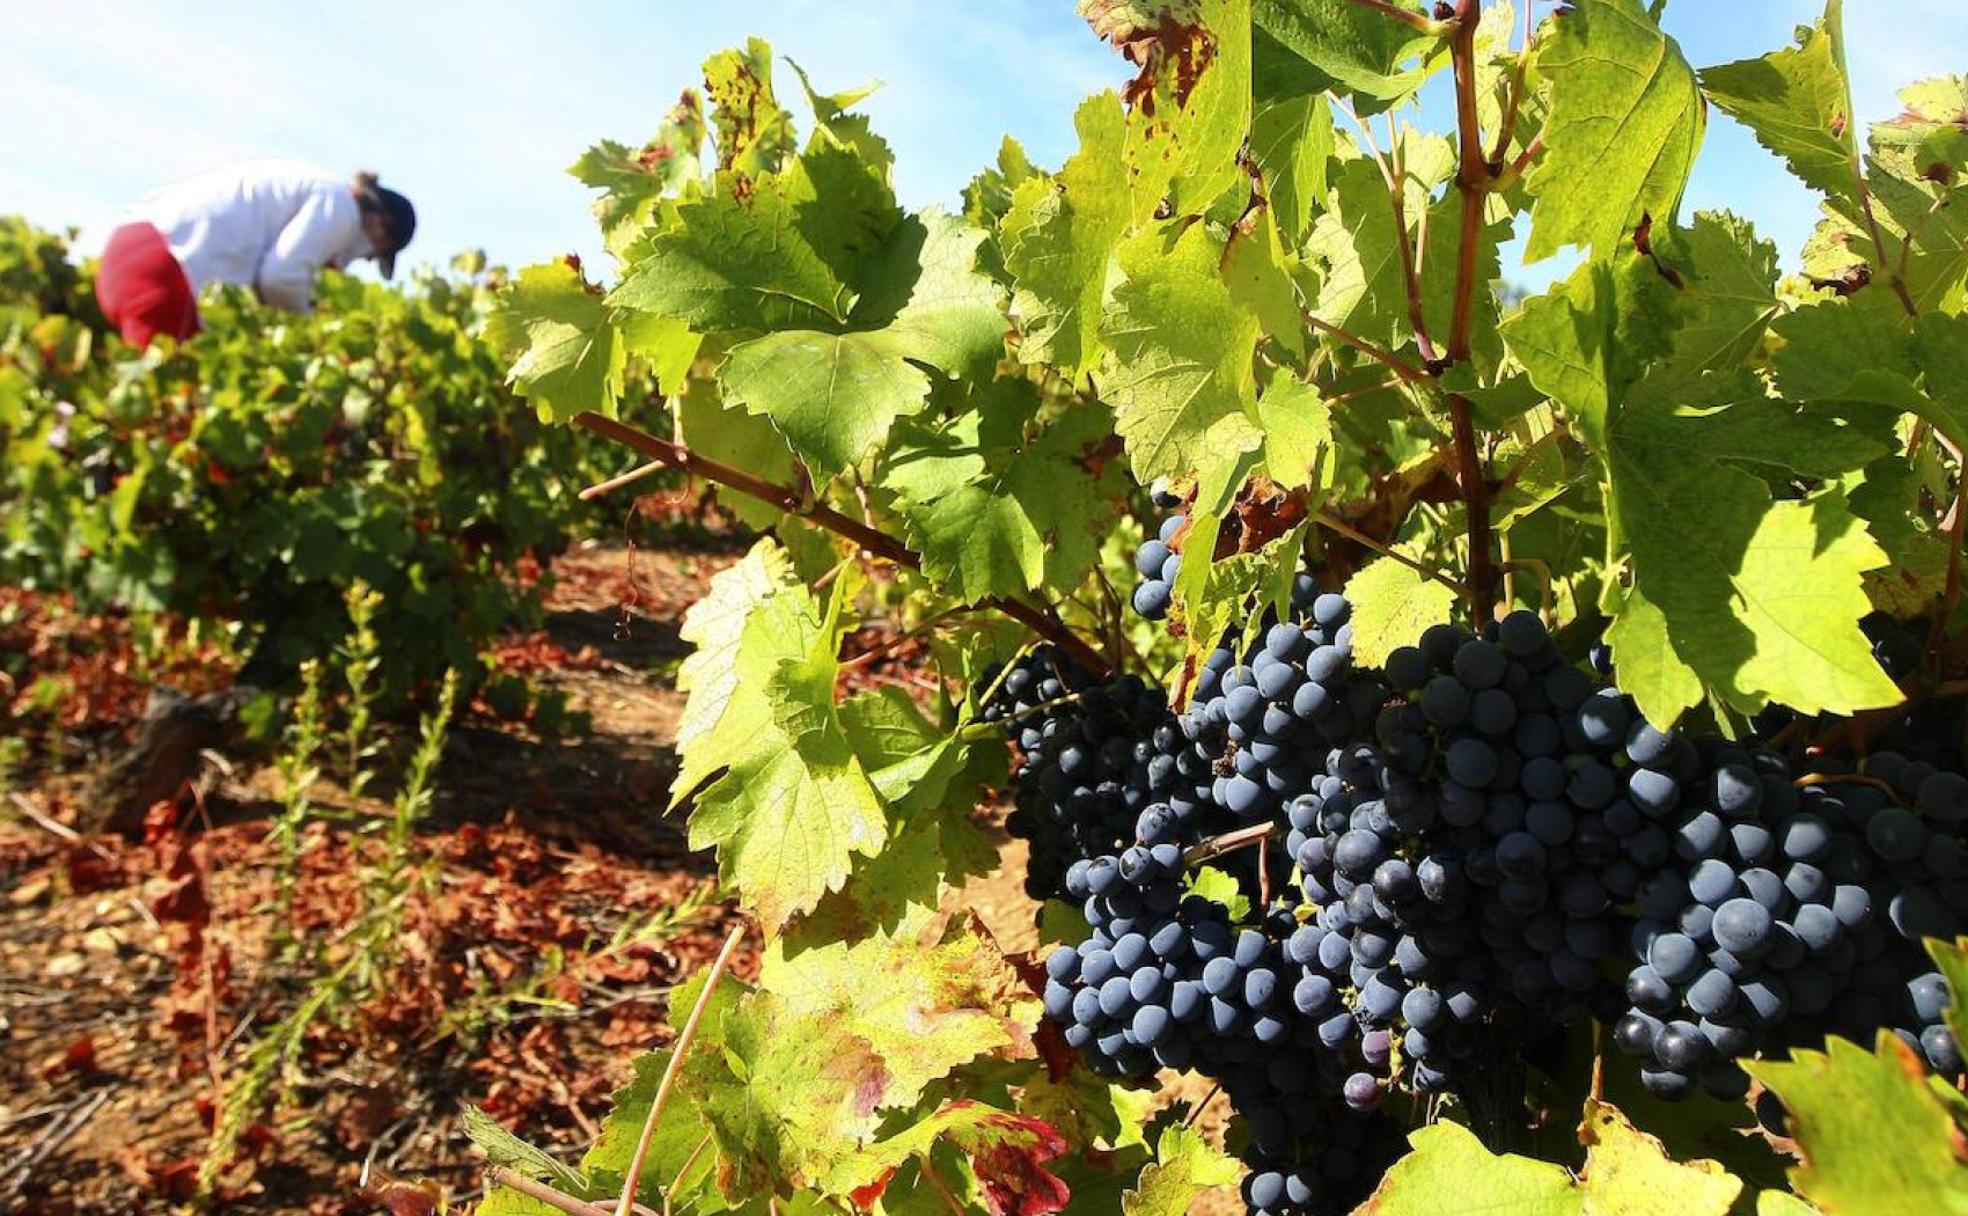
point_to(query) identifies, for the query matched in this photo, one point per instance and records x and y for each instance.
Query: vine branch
(627, 1206)
(1380, 354)
(1043, 621)
(1473, 179)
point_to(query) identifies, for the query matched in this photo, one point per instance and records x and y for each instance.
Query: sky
(476, 109)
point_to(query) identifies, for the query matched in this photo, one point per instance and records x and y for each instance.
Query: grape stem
(500, 1176)
(1333, 523)
(627, 1206)
(1041, 620)
(1374, 351)
(1228, 842)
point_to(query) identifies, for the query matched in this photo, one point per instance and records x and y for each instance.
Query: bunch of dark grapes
(1165, 980)
(1280, 712)
(1092, 758)
(1465, 865)
(1788, 912)
(1158, 561)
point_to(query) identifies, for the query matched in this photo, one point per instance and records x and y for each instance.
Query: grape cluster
(1280, 711)
(1470, 847)
(1092, 758)
(1789, 911)
(1165, 980)
(1466, 863)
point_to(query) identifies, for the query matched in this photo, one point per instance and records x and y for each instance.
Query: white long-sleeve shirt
(270, 225)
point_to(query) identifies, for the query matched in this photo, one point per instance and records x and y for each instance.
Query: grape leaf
(748, 262)
(715, 625)
(925, 288)
(1732, 297)
(1856, 351)
(1651, 671)
(1258, 272)
(1628, 1172)
(1183, 389)
(833, 396)
(1007, 1152)
(1006, 517)
(1951, 959)
(1626, 120)
(737, 437)
(753, 133)
(1392, 604)
(674, 1161)
(924, 1001)
(1449, 1170)
(1190, 105)
(1298, 436)
(560, 340)
(1186, 1168)
(792, 803)
(1761, 598)
(634, 181)
(1292, 142)
(1364, 289)
(1844, 1103)
(1797, 102)
(1058, 238)
(1352, 49)
(1219, 887)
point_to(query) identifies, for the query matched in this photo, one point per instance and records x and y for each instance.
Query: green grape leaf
(832, 121)
(734, 436)
(1628, 1172)
(1292, 143)
(1761, 598)
(925, 1000)
(1844, 1103)
(1438, 271)
(1887, 495)
(937, 306)
(833, 396)
(1798, 103)
(1782, 1203)
(1219, 887)
(791, 804)
(1258, 272)
(1190, 103)
(1392, 604)
(1298, 437)
(666, 345)
(1002, 519)
(1732, 298)
(1058, 238)
(674, 1161)
(1920, 178)
(1856, 351)
(1626, 121)
(560, 340)
(1449, 1170)
(748, 262)
(1951, 959)
(1364, 288)
(635, 181)
(1183, 389)
(1186, 1168)
(1352, 49)
(1651, 671)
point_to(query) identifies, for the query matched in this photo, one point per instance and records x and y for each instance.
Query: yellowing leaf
(1392, 604)
(1876, 1141)
(1628, 1173)
(564, 349)
(1449, 1170)
(1186, 1168)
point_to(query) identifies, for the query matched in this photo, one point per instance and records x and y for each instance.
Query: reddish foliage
(86, 665)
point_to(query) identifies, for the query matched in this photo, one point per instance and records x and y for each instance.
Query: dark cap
(399, 223)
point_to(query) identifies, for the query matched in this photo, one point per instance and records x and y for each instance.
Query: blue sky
(475, 109)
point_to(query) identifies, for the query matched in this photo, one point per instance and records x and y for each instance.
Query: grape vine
(1412, 702)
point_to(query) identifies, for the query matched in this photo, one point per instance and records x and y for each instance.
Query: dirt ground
(553, 906)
